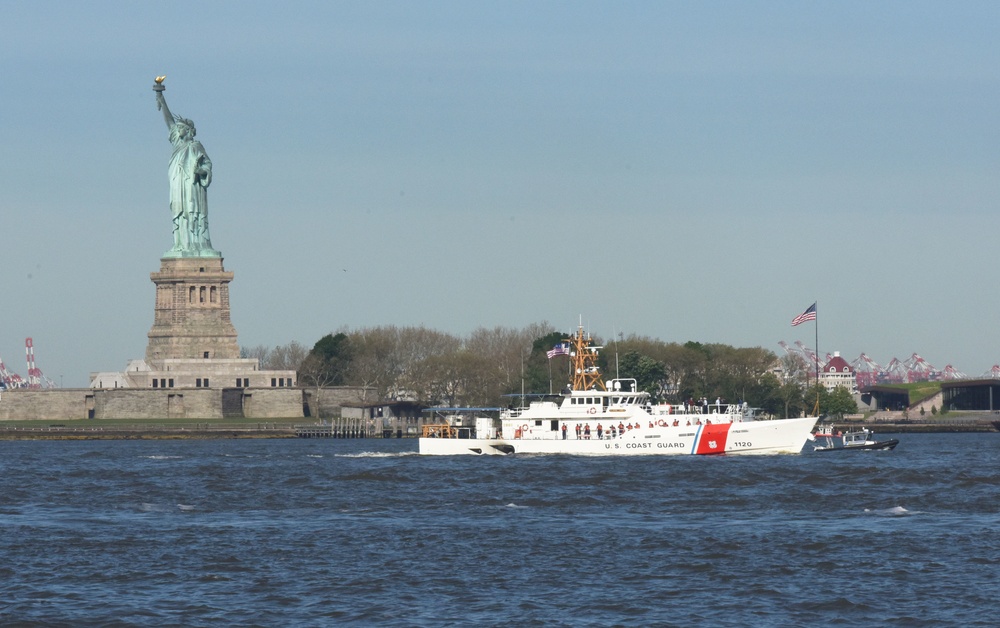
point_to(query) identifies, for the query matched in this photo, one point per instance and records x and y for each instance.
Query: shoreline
(917, 428)
(218, 432)
(57, 433)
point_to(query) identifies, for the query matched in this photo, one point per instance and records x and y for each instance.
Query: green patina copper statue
(190, 174)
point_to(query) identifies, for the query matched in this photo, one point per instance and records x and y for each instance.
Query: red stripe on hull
(713, 438)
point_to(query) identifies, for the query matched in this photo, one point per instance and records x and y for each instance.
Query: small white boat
(859, 439)
(614, 418)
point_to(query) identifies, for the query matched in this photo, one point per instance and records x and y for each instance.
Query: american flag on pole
(808, 315)
(560, 349)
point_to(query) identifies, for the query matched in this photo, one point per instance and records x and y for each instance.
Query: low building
(979, 395)
(194, 373)
(837, 372)
(884, 397)
(393, 418)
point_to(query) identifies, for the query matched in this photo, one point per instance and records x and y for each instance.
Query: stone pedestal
(192, 312)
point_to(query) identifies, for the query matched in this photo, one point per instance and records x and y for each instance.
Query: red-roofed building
(837, 372)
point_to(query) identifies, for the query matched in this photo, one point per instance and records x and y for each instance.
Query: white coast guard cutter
(614, 418)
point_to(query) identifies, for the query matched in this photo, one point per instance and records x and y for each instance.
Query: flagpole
(811, 315)
(550, 375)
(816, 328)
(816, 305)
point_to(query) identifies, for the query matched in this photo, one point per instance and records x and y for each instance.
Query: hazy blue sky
(684, 170)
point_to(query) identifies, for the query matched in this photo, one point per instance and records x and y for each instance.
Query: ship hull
(784, 436)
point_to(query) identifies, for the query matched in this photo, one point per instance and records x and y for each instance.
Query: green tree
(456, 379)
(766, 394)
(840, 402)
(325, 366)
(649, 374)
(792, 400)
(687, 368)
(739, 373)
(328, 362)
(541, 374)
(394, 360)
(815, 396)
(835, 403)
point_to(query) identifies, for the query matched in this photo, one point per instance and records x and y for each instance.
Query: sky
(681, 170)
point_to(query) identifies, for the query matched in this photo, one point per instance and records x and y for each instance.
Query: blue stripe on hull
(697, 439)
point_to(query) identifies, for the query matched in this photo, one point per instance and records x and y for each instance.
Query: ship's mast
(583, 356)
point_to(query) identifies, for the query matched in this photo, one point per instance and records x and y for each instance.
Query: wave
(895, 511)
(378, 454)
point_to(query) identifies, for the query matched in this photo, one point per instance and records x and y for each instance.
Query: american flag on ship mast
(560, 349)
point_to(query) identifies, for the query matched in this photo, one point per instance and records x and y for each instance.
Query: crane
(9, 380)
(35, 377)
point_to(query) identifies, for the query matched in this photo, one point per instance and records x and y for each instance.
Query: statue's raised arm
(161, 102)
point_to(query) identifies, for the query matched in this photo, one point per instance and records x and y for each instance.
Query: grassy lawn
(919, 391)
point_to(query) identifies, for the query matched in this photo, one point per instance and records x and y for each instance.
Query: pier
(340, 428)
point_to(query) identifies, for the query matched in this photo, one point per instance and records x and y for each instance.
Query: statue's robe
(189, 195)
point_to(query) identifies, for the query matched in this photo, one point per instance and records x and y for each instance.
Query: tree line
(437, 368)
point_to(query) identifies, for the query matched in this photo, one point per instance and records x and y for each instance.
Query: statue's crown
(184, 121)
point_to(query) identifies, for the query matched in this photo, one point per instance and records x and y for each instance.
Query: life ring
(591, 410)
(524, 428)
(661, 423)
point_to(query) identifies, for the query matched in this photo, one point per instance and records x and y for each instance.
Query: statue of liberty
(190, 173)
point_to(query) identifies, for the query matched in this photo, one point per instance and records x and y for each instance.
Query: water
(321, 532)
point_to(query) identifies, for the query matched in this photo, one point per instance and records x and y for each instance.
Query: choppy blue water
(322, 532)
